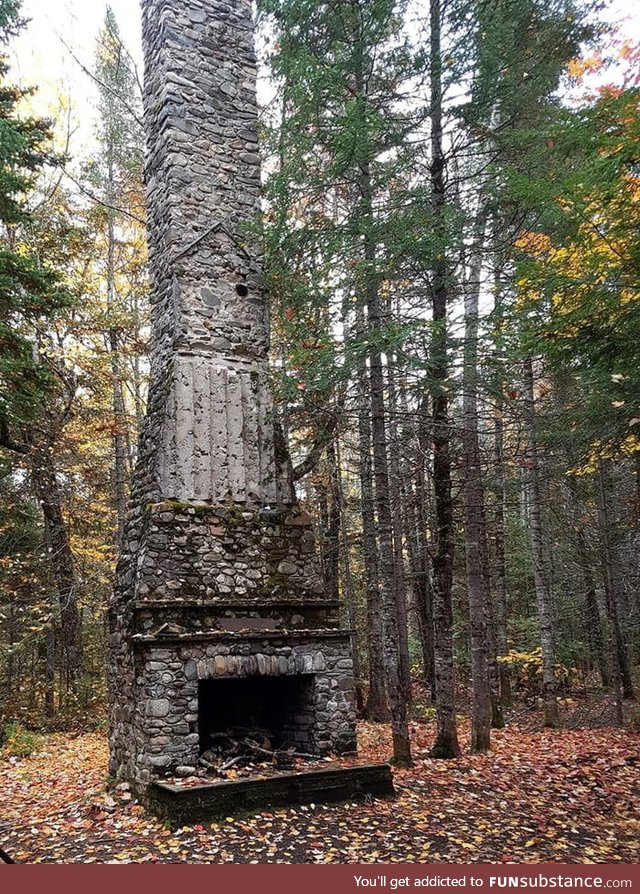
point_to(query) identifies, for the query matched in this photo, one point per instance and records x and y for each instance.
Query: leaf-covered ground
(568, 796)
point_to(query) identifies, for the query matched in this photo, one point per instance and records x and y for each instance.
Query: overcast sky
(41, 58)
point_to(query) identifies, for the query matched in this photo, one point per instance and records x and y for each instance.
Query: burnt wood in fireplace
(276, 712)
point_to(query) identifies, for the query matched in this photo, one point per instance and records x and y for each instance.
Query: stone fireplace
(202, 659)
(219, 617)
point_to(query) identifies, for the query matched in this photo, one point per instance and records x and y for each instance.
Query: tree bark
(347, 586)
(595, 638)
(397, 690)
(543, 595)
(47, 491)
(120, 438)
(499, 557)
(622, 676)
(377, 708)
(396, 687)
(119, 415)
(334, 525)
(593, 623)
(446, 744)
(395, 494)
(49, 670)
(473, 501)
(423, 585)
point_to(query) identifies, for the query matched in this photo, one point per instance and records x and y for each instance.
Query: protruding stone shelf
(241, 635)
(185, 805)
(238, 603)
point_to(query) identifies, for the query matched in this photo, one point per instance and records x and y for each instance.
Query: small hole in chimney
(242, 290)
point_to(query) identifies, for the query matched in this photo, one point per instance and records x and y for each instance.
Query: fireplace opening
(274, 712)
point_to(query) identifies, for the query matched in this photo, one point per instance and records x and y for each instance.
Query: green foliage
(117, 168)
(521, 50)
(18, 741)
(25, 607)
(10, 20)
(56, 400)
(578, 272)
(341, 68)
(30, 290)
(523, 632)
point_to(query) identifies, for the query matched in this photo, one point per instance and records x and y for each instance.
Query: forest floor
(566, 796)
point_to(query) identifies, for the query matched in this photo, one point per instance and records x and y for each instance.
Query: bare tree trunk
(48, 494)
(49, 670)
(377, 708)
(595, 638)
(119, 415)
(497, 713)
(396, 693)
(446, 744)
(499, 558)
(320, 488)
(120, 438)
(396, 687)
(413, 500)
(622, 675)
(32, 688)
(543, 595)
(473, 500)
(395, 493)
(391, 609)
(332, 545)
(424, 589)
(11, 660)
(418, 561)
(137, 375)
(593, 628)
(347, 587)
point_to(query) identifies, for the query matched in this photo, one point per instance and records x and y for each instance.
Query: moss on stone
(231, 516)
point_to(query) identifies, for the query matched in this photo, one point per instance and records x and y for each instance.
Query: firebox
(273, 712)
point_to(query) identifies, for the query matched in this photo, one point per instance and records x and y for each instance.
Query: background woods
(73, 320)
(451, 247)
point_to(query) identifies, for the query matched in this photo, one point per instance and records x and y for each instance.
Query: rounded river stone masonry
(218, 589)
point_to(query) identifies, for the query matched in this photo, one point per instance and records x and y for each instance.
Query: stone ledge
(258, 602)
(185, 805)
(241, 636)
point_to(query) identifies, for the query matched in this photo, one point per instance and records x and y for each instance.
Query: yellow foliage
(534, 244)
(577, 68)
(526, 668)
(603, 450)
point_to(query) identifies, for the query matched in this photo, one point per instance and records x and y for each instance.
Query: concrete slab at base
(186, 805)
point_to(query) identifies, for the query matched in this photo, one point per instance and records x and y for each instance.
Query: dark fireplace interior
(276, 712)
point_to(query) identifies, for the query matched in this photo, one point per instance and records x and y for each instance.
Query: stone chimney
(218, 614)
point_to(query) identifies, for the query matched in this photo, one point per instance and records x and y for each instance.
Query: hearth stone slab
(186, 805)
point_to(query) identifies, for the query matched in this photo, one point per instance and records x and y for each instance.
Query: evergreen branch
(102, 202)
(101, 83)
